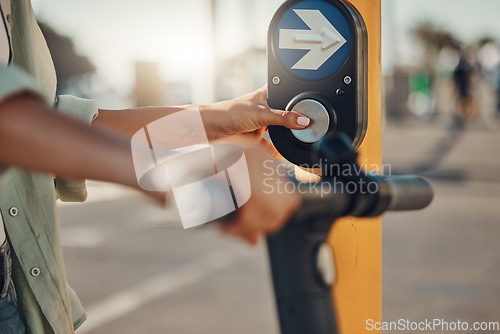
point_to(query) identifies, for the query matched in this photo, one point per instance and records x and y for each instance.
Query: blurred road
(136, 273)
(444, 262)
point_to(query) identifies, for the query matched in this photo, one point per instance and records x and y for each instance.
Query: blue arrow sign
(313, 39)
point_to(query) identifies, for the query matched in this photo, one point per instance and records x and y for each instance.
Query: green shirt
(27, 200)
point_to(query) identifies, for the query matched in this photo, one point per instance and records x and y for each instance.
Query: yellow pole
(357, 243)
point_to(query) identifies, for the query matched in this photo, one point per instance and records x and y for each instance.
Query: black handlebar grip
(409, 192)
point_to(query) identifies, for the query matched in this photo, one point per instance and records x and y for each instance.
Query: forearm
(128, 121)
(34, 137)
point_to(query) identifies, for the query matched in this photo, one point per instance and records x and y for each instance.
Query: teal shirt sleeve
(71, 190)
(13, 81)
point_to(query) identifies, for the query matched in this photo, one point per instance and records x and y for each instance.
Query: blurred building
(148, 85)
(241, 73)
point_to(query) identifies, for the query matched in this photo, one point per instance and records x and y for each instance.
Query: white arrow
(323, 40)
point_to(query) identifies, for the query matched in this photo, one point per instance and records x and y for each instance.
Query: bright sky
(175, 33)
(467, 19)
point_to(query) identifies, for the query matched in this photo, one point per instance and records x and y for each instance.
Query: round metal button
(35, 272)
(13, 211)
(320, 121)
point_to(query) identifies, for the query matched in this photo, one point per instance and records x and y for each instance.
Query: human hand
(245, 119)
(270, 204)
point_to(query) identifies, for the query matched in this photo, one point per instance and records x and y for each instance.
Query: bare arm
(35, 137)
(246, 116)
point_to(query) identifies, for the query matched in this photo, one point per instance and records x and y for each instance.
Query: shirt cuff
(71, 190)
(82, 109)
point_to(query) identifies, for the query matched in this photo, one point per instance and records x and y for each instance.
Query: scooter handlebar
(409, 192)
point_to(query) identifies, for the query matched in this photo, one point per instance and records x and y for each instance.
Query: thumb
(289, 119)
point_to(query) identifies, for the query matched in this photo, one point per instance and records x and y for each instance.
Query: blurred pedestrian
(462, 76)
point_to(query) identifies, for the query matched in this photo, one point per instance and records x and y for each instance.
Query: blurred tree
(70, 66)
(433, 39)
(486, 39)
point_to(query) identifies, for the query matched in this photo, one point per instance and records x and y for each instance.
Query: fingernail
(303, 121)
